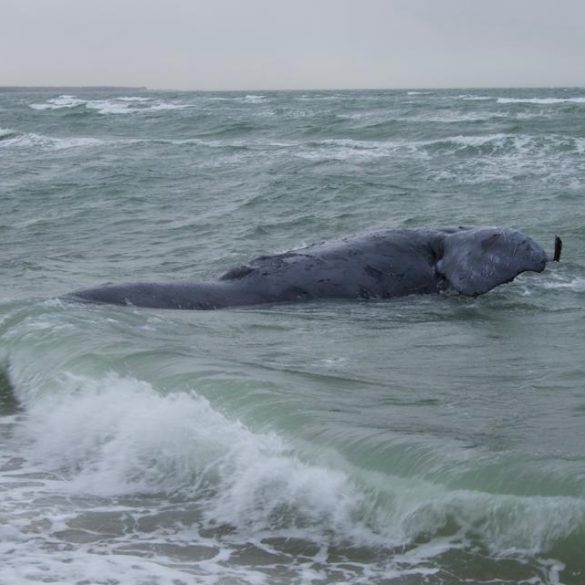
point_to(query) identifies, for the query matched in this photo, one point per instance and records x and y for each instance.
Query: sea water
(431, 439)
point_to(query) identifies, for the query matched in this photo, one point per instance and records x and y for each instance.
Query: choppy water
(426, 439)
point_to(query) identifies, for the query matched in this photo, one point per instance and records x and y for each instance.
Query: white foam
(117, 105)
(169, 106)
(66, 568)
(144, 442)
(110, 107)
(131, 106)
(551, 156)
(32, 140)
(346, 149)
(58, 103)
(114, 436)
(576, 284)
(474, 98)
(445, 117)
(457, 117)
(475, 140)
(542, 101)
(254, 99)
(135, 99)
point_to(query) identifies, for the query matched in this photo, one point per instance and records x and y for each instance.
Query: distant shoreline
(23, 88)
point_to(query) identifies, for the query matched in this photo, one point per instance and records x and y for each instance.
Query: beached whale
(376, 265)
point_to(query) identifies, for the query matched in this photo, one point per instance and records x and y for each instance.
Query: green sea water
(430, 439)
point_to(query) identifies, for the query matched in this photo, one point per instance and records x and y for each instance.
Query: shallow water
(425, 439)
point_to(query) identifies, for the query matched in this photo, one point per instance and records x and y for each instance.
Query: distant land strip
(24, 88)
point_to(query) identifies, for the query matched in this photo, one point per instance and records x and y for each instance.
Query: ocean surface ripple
(432, 440)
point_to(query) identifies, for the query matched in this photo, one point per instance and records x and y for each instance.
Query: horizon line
(7, 88)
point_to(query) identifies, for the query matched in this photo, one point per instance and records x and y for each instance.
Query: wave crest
(113, 105)
(142, 442)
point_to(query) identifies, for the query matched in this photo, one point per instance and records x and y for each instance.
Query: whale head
(475, 260)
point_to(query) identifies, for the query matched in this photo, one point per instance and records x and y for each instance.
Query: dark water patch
(9, 404)
(7, 134)
(233, 129)
(177, 552)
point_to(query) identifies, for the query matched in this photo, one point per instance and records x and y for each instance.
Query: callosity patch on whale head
(476, 260)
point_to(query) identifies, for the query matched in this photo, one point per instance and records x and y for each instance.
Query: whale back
(475, 260)
(381, 264)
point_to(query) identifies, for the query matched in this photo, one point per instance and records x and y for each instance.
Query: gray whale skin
(380, 264)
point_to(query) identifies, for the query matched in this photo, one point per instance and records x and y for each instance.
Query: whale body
(380, 264)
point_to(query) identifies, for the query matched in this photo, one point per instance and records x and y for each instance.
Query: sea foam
(40, 141)
(144, 442)
(542, 101)
(111, 105)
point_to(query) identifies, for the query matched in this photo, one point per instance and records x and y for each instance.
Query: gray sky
(292, 44)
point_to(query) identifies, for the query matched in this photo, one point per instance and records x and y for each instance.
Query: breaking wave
(12, 139)
(492, 144)
(225, 483)
(115, 105)
(542, 101)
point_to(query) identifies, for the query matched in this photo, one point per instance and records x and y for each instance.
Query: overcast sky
(292, 44)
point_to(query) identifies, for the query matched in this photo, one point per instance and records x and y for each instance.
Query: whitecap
(576, 284)
(146, 443)
(457, 117)
(75, 142)
(169, 106)
(117, 105)
(32, 140)
(474, 98)
(5, 132)
(58, 103)
(541, 101)
(134, 99)
(254, 99)
(110, 107)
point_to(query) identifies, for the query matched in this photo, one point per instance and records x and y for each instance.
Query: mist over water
(424, 439)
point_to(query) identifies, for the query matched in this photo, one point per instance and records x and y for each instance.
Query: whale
(379, 264)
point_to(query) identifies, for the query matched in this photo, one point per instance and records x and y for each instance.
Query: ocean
(426, 439)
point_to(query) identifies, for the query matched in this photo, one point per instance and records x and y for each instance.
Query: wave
(457, 117)
(143, 442)
(474, 98)
(541, 101)
(117, 105)
(147, 443)
(555, 147)
(6, 133)
(517, 100)
(506, 145)
(17, 140)
(253, 99)
(134, 99)
(58, 103)
(445, 117)
(497, 145)
(146, 466)
(572, 284)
